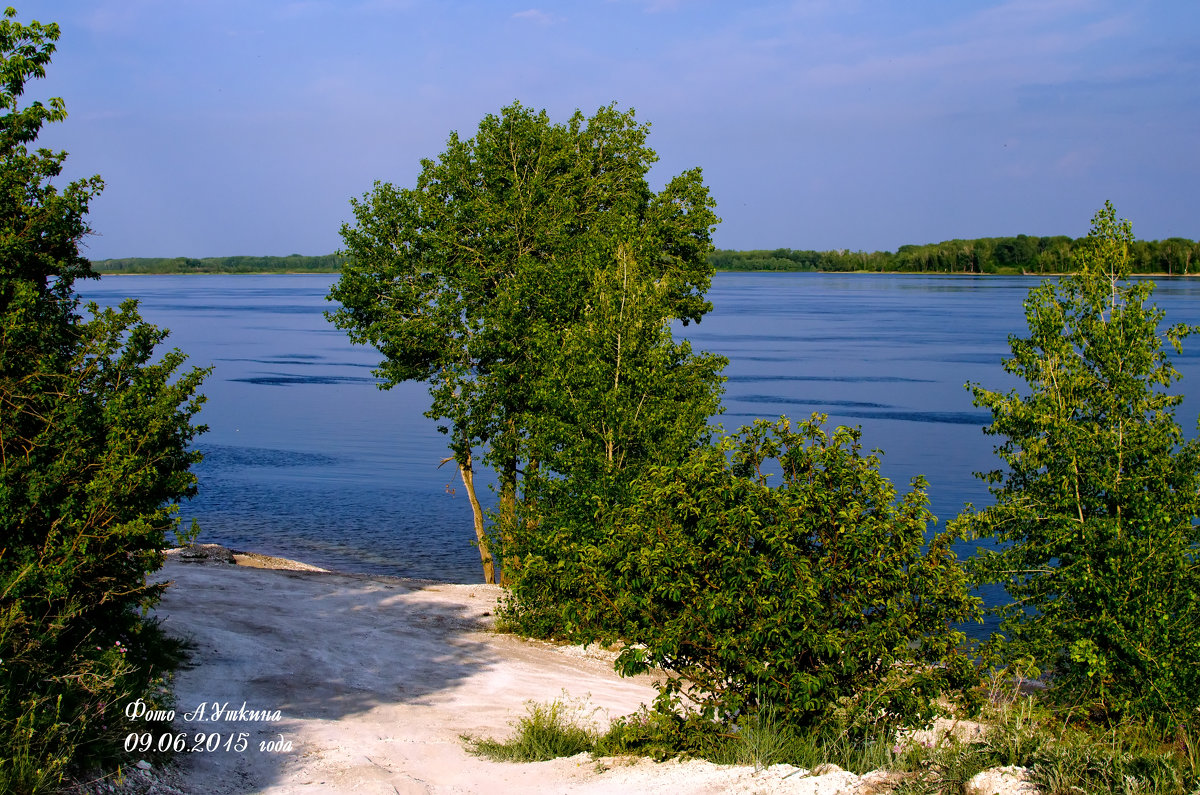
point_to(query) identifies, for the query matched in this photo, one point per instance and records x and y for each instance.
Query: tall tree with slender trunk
(497, 246)
(1096, 505)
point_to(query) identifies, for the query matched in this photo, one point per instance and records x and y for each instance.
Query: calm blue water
(307, 459)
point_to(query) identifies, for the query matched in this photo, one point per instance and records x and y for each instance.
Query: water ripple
(293, 380)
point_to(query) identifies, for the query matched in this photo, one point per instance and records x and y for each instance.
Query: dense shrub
(94, 449)
(815, 595)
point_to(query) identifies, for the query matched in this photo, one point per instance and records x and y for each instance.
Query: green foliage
(814, 595)
(1174, 256)
(625, 396)
(758, 740)
(565, 727)
(1061, 757)
(505, 248)
(295, 263)
(41, 225)
(655, 734)
(1098, 769)
(546, 731)
(1095, 510)
(94, 435)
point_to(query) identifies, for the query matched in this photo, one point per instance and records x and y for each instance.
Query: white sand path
(375, 679)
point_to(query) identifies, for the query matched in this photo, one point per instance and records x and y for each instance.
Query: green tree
(775, 568)
(622, 392)
(1095, 508)
(624, 396)
(499, 245)
(94, 436)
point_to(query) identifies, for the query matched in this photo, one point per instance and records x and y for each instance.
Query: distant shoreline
(1158, 275)
(220, 273)
(999, 256)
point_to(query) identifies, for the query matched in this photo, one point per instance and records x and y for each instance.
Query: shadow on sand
(312, 646)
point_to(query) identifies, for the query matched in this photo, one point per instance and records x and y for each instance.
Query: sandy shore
(310, 681)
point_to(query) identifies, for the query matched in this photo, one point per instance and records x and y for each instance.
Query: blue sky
(230, 127)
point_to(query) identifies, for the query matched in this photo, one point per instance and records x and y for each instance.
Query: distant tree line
(1175, 256)
(296, 263)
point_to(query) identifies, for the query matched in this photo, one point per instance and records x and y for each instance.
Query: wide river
(307, 459)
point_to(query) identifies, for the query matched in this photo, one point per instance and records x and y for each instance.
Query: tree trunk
(508, 515)
(485, 553)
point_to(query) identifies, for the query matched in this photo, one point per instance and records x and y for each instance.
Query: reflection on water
(307, 458)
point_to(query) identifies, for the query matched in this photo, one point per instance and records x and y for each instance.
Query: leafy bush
(94, 450)
(1095, 510)
(813, 596)
(94, 441)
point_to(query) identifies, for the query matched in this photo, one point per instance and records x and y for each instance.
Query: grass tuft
(546, 731)
(39, 751)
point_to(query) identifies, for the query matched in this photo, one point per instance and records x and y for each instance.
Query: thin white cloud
(1078, 162)
(536, 15)
(124, 19)
(303, 8)
(1016, 41)
(654, 6)
(807, 9)
(1015, 16)
(387, 5)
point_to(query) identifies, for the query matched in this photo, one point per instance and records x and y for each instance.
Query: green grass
(547, 731)
(79, 726)
(1063, 758)
(38, 752)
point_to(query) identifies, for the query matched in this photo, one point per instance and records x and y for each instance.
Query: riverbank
(314, 681)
